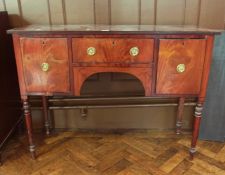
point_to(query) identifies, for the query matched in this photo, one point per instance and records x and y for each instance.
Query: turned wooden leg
(45, 112)
(180, 112)
(28, 120)
(197, 120)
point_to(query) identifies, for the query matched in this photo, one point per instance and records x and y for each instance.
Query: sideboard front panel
(180, 66)
(45, 64)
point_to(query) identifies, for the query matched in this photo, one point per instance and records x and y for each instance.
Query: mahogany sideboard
(169, 61)
(10, 105)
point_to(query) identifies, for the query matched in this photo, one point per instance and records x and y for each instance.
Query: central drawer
(112, 50)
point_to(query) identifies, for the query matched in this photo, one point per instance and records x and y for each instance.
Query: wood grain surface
(112, 50)
(172, 52)
(53, 51)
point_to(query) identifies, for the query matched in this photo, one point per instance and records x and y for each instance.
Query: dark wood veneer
(172, 52)
(112, 50)
(161, 48)
(53, 51)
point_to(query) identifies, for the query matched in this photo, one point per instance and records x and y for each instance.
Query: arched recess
(82, 73)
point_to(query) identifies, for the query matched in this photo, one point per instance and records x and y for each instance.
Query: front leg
(28, 120)
(202, 94)
(180, 113)
(197, 120)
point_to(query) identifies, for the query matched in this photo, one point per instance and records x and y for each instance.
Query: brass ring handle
(91, 51)
(44, 67)
(181, 68)
(134, 51)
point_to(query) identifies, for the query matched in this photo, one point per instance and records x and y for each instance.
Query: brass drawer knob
(91, 51)
(44, 67)
(180, 68)
(134, 51)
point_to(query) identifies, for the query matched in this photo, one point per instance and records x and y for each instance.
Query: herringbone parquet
(130, 153)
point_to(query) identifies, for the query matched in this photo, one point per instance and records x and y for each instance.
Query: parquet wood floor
(129, 153)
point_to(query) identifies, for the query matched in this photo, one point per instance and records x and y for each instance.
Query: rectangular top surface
(112, 29)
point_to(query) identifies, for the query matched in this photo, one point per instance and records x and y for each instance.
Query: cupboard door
(180, 66)
(45, 64)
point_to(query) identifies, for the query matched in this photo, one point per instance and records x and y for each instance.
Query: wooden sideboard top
(113, 29)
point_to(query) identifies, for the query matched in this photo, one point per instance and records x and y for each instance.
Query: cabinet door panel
(180, 66)
(54, 52)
